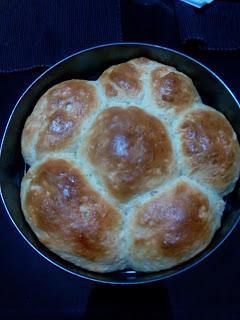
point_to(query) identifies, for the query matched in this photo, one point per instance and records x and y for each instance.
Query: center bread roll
(131, 150)
(128, 171)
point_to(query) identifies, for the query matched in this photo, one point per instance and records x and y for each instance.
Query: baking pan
(89, 64)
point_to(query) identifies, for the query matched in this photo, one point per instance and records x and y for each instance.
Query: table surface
(32, 287)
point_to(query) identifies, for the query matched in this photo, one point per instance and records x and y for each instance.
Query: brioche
(127, 171)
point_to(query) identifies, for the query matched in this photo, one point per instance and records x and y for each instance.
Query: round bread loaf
(127, 171)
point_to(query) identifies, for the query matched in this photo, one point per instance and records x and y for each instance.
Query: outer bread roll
(57, 117)
(70, 217)
(173, 226)
(209, 149)
(127, 171)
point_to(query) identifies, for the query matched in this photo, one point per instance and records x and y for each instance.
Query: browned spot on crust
(110, 90)
(59, 129)
(172, 90)
(124, 77)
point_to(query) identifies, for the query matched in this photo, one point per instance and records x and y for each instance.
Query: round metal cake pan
(89, 64)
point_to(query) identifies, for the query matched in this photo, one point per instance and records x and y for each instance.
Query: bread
(173, 226)
(127, 171)
(70, 217)
(133, 153)
(57, 119)
(208, 148)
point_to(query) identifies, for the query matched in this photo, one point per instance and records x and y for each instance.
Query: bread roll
(173, 226)
(209, 149)
(131, 150)
(70, 217)
(57, 117)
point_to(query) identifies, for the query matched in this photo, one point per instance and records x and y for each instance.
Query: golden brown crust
(58, 116)
(77, 220)
(210, 147)
(131, 149)
(172, 90)
(80, 97)
(122, 79)
(173, 224)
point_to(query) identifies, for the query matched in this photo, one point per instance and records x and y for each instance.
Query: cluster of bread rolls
(128, 171)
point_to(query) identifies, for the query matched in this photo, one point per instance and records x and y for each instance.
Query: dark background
(31, 287)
